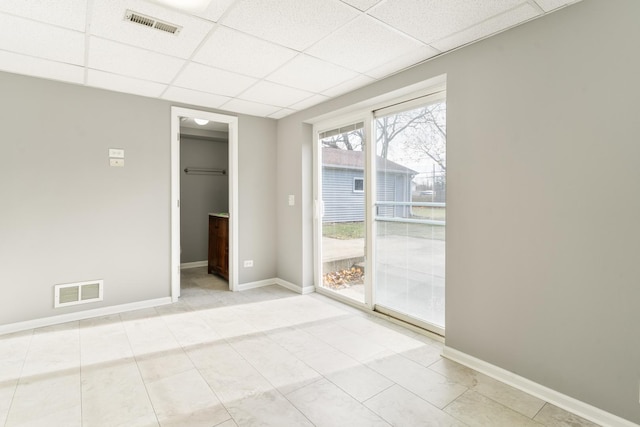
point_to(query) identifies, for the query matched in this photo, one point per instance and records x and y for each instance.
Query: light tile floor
(263, 357)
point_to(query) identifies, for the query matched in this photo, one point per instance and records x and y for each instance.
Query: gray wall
(543, 181)
(257, 204)
(291, 135)
(67, 216)
(201, 194)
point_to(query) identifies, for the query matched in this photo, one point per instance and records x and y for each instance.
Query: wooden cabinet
(219, 246)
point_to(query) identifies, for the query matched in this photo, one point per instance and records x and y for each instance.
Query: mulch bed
(342, 279)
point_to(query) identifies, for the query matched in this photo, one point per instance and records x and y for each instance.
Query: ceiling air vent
(147, 21)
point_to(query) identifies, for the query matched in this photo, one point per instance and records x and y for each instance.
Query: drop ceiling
(267, 58)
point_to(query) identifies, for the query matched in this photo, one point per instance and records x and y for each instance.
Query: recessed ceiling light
(201, 122)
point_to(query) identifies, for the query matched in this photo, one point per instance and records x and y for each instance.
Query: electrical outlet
(248, 263)
(292, 199)
(117, 162)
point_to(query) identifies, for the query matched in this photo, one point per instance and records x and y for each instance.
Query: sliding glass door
(341, 180)
(410, 212)
(380, 211)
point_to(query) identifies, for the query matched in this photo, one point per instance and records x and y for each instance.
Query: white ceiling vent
(150, 22)
(78, 293)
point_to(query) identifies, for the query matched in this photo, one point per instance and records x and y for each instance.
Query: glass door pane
(343, 211)
(410, 213)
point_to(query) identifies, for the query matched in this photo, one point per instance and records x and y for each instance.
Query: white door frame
(232, 121)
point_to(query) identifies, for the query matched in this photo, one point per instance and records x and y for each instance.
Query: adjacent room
(319, 213)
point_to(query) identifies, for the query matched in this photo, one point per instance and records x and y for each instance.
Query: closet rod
(204, 171)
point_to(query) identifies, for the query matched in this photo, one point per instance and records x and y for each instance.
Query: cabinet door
(213, 237)
(220, 246)
(224, 247)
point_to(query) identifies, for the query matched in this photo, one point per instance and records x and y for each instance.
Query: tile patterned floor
(263, 357)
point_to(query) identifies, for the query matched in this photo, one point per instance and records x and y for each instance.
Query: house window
(358, 185)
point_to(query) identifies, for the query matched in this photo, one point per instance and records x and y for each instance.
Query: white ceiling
(262, 57)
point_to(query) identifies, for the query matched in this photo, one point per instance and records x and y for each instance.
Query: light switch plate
(292, 200)
(116, 162)
(117, 153)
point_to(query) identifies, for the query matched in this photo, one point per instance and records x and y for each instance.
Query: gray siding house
(343, 186)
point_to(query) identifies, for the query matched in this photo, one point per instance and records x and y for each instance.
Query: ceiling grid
(268, 58)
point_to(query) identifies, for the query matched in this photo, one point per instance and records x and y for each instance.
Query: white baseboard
(275, 281)
(295, 288)
(106, 311)
(556, 398)
(194, 264)
(257, 284)
(81, 315)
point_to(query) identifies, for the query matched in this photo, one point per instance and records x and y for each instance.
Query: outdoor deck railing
(410, 220)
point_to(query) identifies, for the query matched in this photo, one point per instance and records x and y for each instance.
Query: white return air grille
(147, 21)
(78, 293)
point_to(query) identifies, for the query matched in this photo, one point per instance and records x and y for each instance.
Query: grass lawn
(422, 212)
(343, 230)
(355, 230)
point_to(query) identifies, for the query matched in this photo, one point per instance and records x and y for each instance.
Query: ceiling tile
(36, 67)
(32, 38)
(308, 73)
(280, 114)
(263, 57)
(407, 60)
(131, 61)
(216, 9)
(430, 20)
(349, 85)
(251, 108)
(488, 27)
(309, 102)
(274, 94)
(107, 21)
(65, 13)
(549, 5)
(124, 84)
(362, 4)
(292, 23)
(235, 51)
(363, 44)
(208, 9)
(212, 80)
(194, 97)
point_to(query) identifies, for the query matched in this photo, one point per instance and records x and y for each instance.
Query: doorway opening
(220, 128)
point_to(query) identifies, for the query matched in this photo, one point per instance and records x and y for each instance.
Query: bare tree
(433, 148)
(423, 131)
(352, 141)
(429, 139)
(389, 127)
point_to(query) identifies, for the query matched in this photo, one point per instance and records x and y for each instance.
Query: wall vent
(78, 293)
(147, 21)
